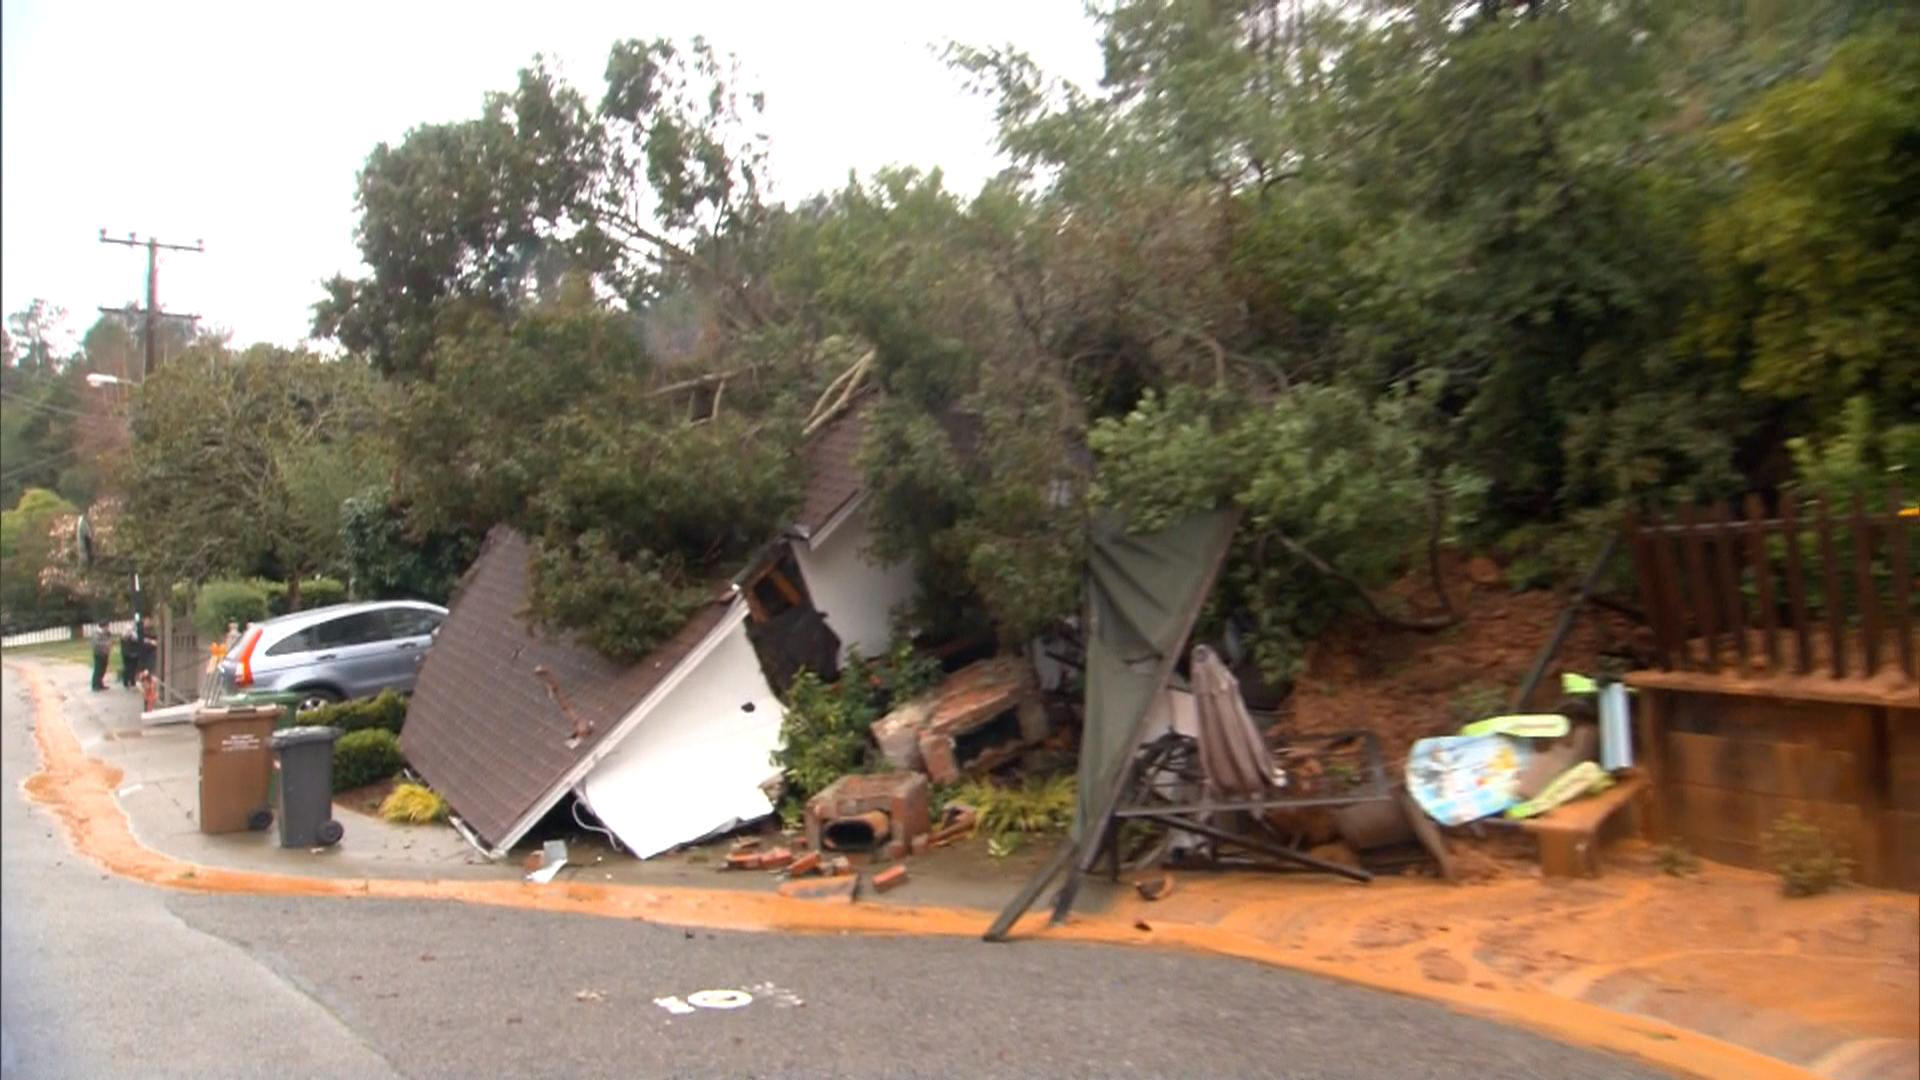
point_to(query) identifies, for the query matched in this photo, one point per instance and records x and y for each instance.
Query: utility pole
(153, 314)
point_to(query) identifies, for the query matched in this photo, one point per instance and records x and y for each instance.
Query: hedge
(388, 712)
(365, 757)
(314, 592)
(222, 602)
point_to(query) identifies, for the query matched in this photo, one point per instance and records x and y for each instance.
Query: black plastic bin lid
(296, 736)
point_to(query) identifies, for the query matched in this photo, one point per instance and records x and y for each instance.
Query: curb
(79, 790)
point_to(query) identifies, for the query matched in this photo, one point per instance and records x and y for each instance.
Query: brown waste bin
(236, 767)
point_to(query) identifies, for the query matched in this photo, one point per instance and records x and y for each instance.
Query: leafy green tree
(655, 191)
(384, 561)
(31, 596)
(241, 461)
(1815, 259)
(554, 424)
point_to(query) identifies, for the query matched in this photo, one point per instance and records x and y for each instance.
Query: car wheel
(315, 698)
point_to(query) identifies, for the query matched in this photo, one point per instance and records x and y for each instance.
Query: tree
(31, 597)
(240, 463)
(30, 334)
(385, 562)
(553, 425)
(655, 191)
(1815, 259)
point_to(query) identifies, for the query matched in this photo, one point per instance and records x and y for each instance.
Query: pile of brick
(980, 718)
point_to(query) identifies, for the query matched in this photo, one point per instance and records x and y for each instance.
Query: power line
(152, 311)
(32, 465)
(29, 403)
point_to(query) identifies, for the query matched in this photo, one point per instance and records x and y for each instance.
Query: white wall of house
(696, 759)
(856, 594)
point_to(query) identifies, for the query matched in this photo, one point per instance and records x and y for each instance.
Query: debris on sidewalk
(589, 995)
(1462, 778)
(840, 887)
(981, 717)
(1585, 778)
(1156, 888)
(956, 821)
(869, 812)
(552, 857)
(891, 878)
(804, 865)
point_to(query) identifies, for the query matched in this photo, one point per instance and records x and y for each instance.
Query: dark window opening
(997, 732)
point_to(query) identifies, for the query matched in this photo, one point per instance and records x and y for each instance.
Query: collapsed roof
(507, 718)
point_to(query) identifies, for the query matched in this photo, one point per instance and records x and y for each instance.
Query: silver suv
(333, 653)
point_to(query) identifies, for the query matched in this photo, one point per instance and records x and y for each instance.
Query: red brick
(775, 859)
(805, 864)
(891, 878)
(744, 860)
(936, 752)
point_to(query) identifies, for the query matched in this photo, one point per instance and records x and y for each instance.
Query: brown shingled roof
(833, 469)
(481, 729)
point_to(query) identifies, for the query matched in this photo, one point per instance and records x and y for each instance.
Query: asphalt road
(102, 978)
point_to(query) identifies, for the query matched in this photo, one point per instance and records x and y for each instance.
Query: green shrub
(1039, 805)
(365, 757)
(826, 730)
(1808, 860)
(314, 592)
(222, 602)
(387, 712)
(322, 591)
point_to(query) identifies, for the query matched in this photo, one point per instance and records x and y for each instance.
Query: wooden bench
(1570, 836)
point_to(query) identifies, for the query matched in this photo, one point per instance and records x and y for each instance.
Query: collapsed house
(507, 720)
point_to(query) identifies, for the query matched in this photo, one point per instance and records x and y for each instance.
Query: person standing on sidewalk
(102, 652)
(129, 655)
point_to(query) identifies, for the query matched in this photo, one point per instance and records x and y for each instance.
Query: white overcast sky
(243, 124)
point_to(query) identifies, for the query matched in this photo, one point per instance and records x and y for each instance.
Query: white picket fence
(59, 633)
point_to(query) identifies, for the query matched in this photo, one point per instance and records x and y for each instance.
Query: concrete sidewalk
(160, 792)
(1636, 961)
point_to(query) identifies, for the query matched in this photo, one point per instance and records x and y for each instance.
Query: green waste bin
(305, 802)
(287, 700)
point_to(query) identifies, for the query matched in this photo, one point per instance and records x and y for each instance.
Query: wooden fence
(1812, 588)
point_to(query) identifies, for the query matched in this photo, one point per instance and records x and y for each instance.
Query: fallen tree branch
(1366, 598)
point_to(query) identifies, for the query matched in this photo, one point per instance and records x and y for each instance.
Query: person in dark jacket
(131, 652)
(102, 639)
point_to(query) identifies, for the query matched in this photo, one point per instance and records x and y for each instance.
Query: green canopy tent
(1144, 593)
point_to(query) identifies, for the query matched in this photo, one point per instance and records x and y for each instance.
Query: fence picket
(1646, 575)
(1763, 578)
(1863, 576)
(1725, 536)
(1797, 588)
(1900, 534)
(1702, 587)
(1672, 601)
(1835, 600)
